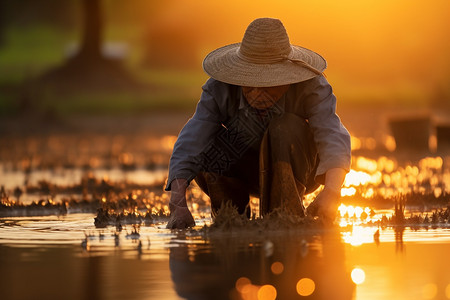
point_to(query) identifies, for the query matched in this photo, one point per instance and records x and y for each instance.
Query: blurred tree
(92, 31)
(22, 13)
(2, 22)
(89, 68)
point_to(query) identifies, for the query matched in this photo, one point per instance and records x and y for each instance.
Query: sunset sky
(397, 48)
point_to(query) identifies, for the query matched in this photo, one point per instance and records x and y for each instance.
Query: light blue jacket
(220, 102)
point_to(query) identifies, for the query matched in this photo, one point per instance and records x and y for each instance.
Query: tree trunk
(2, 22)
(92, 31)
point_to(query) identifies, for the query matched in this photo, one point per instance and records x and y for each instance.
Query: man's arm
(334, 178)
(180, 216)
(333, 144)
(192, 140)
(196, 135)
(331, 137)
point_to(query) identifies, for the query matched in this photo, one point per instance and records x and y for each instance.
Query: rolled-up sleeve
(331, 137)
(194, 138)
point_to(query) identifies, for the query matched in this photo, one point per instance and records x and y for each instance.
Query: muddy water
(46, 258)
(66, 257)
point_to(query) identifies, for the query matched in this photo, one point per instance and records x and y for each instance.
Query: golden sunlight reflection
(267, 292)
(349, 211)
(277, 268)
(348, 191)
(384, 177)
(359, 234)
(447, 291)
(356, 178)
(305, 287)
(366, 164)
(358, 276)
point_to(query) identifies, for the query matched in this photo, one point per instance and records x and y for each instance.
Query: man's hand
(325, 205)
(180, 216)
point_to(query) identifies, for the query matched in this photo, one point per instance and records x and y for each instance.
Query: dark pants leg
(279, 173)
(235, 185)
(288, 161)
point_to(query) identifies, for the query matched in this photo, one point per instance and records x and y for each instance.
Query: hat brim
(224, 64)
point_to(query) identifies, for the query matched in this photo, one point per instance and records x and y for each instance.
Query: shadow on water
(226, 266)
(66, 272)
(285, 267)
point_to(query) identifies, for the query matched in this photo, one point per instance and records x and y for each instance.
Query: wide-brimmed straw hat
(264, 58)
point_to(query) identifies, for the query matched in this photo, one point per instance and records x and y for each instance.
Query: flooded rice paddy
(390, 241)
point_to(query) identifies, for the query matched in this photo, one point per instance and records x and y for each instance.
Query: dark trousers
(280, 172)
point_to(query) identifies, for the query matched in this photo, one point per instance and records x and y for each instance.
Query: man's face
(263, 97)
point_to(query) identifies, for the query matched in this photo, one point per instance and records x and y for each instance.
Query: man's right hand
(180, 216)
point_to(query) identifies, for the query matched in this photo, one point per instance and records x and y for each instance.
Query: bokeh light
(241, 283)
(305, 287)
(277, 268)
(358, 276)
(267, 292)
(429, 291)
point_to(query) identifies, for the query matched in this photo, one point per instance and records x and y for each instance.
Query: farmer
(265, 126)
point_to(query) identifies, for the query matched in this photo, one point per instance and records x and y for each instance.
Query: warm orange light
(356, 143)
(366, 164)
(358, 236)
(168, 142)
(241, 283)
(429, 291)
(386, 164)
(350, 211)
(431, 162)
(358, 211)
(353, 211)
(348, 191)
(305, 287)
(267, 292)
(358, 276)
(447, 291)
(342, 209)
(389, 143)
(247, 290)
(277, 268)
(356, 178)
(368, 193)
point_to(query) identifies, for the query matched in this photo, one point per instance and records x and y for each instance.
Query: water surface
(46, 258)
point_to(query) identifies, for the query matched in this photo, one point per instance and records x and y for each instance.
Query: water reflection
(285, 266)
(67, 272)
(399, 246)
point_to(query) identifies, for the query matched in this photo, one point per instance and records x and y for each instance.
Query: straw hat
(264, 58)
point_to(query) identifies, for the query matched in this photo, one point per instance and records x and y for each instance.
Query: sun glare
(358, 276)
(358, 235)
(356, 178)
